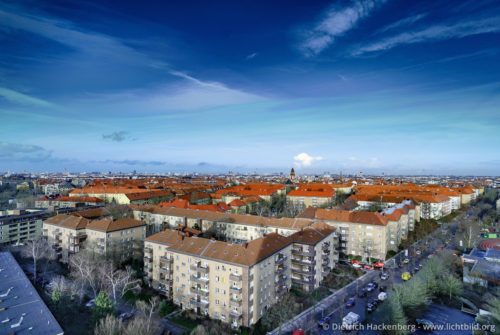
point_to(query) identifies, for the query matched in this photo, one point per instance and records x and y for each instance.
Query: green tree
(56, 297)
(103, 306)
(413, 297)
(394, 315)
(450, 286)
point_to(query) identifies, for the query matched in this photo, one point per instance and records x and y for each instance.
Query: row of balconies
(303, 252)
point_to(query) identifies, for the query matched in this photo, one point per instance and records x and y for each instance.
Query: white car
(90, 303)
(356, 265)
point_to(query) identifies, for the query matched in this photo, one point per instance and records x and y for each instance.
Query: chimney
(245, 245)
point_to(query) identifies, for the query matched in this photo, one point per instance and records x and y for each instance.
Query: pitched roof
(243, 254)
(113, 225)
(68, 221)
(313, 234)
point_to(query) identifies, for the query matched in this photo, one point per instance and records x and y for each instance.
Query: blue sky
(400, 87)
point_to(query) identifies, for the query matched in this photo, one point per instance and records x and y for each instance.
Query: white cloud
(434, 33)
(252, 56)
(65, 32)
(337, 22)
(403, 22)
(23, 99)
(305, 160)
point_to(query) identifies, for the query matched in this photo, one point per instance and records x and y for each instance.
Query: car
(324, 322)
(355, 261)
(418, 252)
(350, 302)
(374, 302)
(375, 284)
(367, 267)
(299, 331)
(126, 316)
(370, 307)
(406, 261)
(384, 276)
(381, 297)
(378, 265)
(405, 276)
(370, 287)
(90, 303)
(425, 324)
(356, 265)
(382, 288)
(417, 267)
(362, 293)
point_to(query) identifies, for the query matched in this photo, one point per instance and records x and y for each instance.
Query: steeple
(292, 175)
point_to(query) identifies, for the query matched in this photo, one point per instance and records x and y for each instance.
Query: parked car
(367, 267)
(418, 252)
(375, 284)
(406, 261)
(384, 276)
(379, 265)
(373, 302)
(406, 276)
(362, 293)
(324, 322)
(370, 307)
(382, 288)
(382, 296)
(299, 332)
(356, 265)
(369, 287)
(350, 302)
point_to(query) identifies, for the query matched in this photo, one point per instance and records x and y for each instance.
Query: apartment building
(124, 236)
(369, 234)
(65, 233)
(19, 225)
(122, 195)
(315, 195)
(314, 254)
(237, 283)
(67, 202)
(234, 227)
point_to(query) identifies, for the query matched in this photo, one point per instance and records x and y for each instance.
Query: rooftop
(25, 312)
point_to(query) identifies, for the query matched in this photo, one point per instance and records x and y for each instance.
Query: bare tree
(117, 281)
(37, 249)
(109, 325)
(84, 268)
(147, 321)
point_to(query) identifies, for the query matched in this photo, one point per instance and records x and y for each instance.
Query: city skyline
(371, 86)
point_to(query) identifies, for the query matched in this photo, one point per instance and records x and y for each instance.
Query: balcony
(148, 258)
(165, 281)
(303, 261)
(280, 270)
(235, 302)
(235, 314)
(303, 252)
(304, 270)
(303, 280)
(164, 269)
(198, 290)
(198, 267)
(280, 290)
(236, 290)
(199, 280)
(199, 302)
(148, 250)
(165, 259)
(326, 245)
(235, 277)
(280, 259)
(281, 280)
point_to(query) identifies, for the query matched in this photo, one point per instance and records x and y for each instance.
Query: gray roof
(492, 255)
(486, 270)
(22, 303)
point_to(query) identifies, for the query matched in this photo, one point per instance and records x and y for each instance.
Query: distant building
(21, 308)
(19, 225)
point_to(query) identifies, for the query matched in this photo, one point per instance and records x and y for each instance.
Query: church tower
(292, 175)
